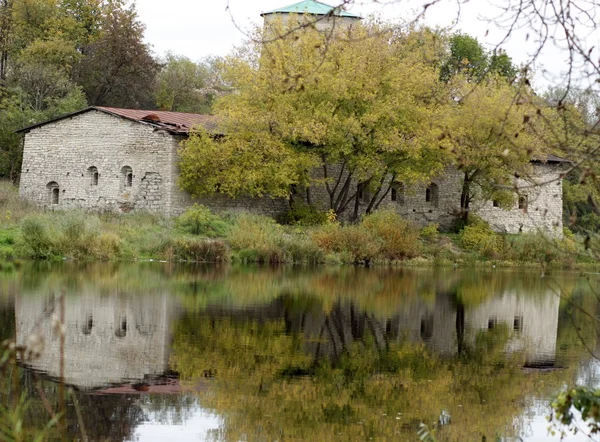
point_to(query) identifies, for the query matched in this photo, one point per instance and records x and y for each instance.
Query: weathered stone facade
(100, 161)
(538, 205)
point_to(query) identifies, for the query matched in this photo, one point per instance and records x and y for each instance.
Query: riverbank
(383, 238)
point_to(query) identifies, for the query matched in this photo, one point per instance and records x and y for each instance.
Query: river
(158, 351)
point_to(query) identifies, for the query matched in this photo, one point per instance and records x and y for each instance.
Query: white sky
(197, 28)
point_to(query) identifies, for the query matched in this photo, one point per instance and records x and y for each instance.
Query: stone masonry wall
(66, 154)
(64, 151)
(543, 191)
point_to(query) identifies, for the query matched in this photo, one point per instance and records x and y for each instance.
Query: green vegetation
(199, 235)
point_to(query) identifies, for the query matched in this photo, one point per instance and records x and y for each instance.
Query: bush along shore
(199, 235)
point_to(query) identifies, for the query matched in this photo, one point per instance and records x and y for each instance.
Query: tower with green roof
(323, 15)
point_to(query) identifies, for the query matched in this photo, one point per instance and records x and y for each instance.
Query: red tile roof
(176, 122)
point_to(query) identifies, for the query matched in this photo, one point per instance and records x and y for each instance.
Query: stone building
(307, 13)
(110, 338)
(111, 159)
(103, 158)
(121, 160)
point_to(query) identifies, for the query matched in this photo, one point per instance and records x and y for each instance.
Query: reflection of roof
(175, 122)
(311, 7)
(171, 386)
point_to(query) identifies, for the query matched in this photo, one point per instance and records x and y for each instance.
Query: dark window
(398, 193)
(495, 203)
(53, 192)
(492, 321)
(523, 202)
(121, 329)
(94, 175)
(431, 194)
(86, 329)
(426, 331)
(127, 176)
(361, 192)
(518, 324)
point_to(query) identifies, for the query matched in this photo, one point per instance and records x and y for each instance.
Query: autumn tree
(185, 86)
(360, 113)
(118, 68)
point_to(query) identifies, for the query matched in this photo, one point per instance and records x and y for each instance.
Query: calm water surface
(157, 351)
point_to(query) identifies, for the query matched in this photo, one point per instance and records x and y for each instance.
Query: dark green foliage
(37, 243)
(582, 399)
(302, 214)
(199, 220)
(467, 56)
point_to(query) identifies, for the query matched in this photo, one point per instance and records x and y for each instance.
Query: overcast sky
(197, 28)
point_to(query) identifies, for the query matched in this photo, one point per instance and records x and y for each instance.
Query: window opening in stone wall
(426, 331)
(523, 202)
(495, 203)
(53, 192)
(398, 193)
(88, 324)
(492, 321)
(127, 174)
(121, 329)
(518, 324)
(94, 175)
(431, 194)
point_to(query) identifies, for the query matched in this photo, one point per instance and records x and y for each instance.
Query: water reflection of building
(109, 339)
(531, 322)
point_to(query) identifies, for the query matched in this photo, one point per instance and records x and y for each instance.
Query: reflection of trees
(333, 371)
(7, 322)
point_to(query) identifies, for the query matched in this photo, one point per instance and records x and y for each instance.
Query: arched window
(431, 194)
(53, 192)
(88, 324)
(523, 202)
(121, 327)
(93, 175)
(127, 176)
(398, 193)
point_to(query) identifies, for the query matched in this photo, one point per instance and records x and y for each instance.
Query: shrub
(361, 244)
(302, 250)
(430, 232)
(199, 220)
(480, 238)
(37, 242)
(200, 250)
(302, 214)
(77, 234)
(106, 246)
(399, 239)
(257, 238)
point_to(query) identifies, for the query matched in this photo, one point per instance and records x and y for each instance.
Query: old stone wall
(541, 204)
(438, 201)
(131, 161)
(98, 161)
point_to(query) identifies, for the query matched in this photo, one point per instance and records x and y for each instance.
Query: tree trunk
(465, 198)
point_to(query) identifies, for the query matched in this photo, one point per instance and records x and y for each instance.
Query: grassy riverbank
(27, 232)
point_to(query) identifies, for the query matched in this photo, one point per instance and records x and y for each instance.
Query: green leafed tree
(493, 132)
(359, 111)
(118, 68)
(466, 56)
(185, 86)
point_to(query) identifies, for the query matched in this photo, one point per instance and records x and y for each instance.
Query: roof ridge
(314, 7)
